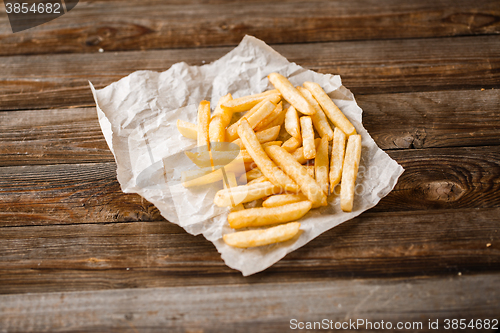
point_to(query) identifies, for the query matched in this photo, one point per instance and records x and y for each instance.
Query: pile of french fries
(290, 177)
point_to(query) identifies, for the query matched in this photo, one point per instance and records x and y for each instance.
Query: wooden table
(77, 254)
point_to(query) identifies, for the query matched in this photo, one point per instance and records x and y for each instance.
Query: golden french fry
(310, 170)
(205, 159)
(291, 144)
(251, 175)
(258, 180)
(206, 175)
(263, 136)
(246, 155)
(245, 193)
(232, 183)
(253, 238)
(349, 172)
(332, 111)
(268, 168)
(266, 108)
(219, 121)
(269, 119)
(187, 129)
(258, 217)
(232, 130)
(290, 94)
(307, 132)
(299, 153)
(319, 119)
(292, 125)
(245, 103)
(279, 120)
(321, 165)
(337, 159)
(283, 199)
(307, 184)
(203, 123)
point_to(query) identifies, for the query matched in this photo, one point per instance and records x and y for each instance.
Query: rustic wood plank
(432, 119)
(160, 254)
(395, 121)
(77, 193)
(146, 25)
(381, 66)
(445, 178)
(52, 136)
(257, 307)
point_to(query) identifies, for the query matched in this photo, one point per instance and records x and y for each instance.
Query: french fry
(258, 180)
(337, 159)
(258, 217)
(204, 176)
(232, 130)
(307, 132)
(245, 103)
(246, 156)
(245, 193)
(319, 118)
(310, 171)
(331, 110)
(290, 94)
(291, 144)
(321, 164)
(283, 199)
(251, 175)
(203, 124)
(289, 164)
(263, 136)
(298, 154)
(232, 183)
(205, 159)
(292, 125)
(187, 129)
(266, 121)
(349, 172)
(219, 121)
(268, 168)
(266, 108)
(253, 238)
(278, 121)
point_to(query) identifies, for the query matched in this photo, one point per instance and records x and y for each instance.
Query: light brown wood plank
(257, 307)
(404, 120)
(146, 25)
(160, 254)
(383, 66)
(77, 193)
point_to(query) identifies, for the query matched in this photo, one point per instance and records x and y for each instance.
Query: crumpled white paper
(138, 117)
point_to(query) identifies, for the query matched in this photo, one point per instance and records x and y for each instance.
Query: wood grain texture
(160, 254)
(383, 66)
(146, 25)
(225, 308)
(77, 193)
(395, 121)
(445, 178)
(51, 137)
(432, 119)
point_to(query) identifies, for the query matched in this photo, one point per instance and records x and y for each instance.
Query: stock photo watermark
(27, 14)
(412, 326)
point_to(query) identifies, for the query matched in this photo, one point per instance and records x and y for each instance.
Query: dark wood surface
(79, 255)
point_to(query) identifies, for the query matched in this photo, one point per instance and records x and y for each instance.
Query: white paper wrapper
(138, 117)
